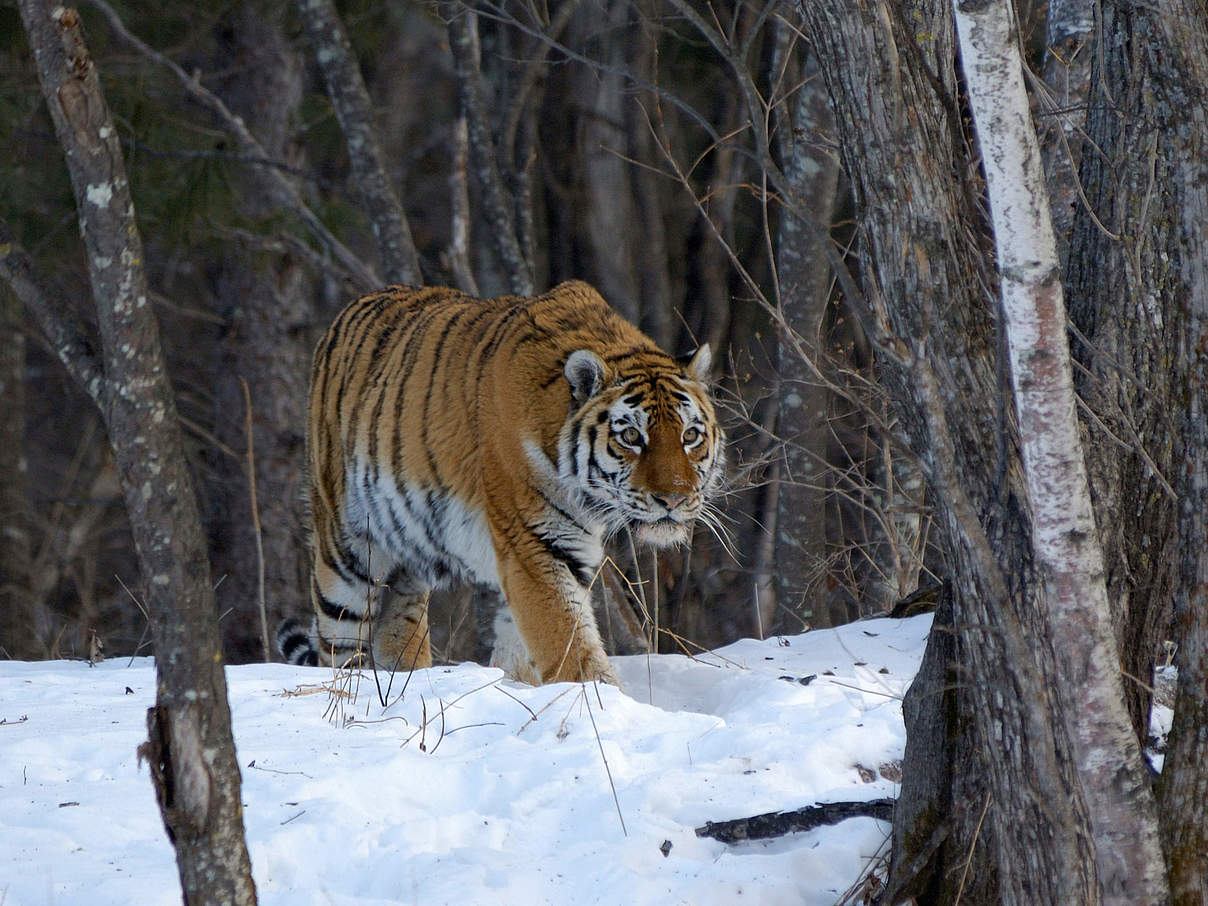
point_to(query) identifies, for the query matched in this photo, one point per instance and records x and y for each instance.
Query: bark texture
(1180, 79)
(1061, 106)
(804, 280)
(191, 752)
(943, 795)
(1126, 342)
(1137, 289)
(927, 276)
(19, 637)
(1111, 772)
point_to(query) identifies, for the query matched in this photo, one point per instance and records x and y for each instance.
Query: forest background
(623, 158)
(798, 185)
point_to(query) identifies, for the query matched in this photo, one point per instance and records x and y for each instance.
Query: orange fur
(500, 440)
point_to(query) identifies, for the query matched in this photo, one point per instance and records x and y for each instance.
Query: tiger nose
(670, 500)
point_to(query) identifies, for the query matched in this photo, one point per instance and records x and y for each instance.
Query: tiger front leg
(553, 613)
(401, 640)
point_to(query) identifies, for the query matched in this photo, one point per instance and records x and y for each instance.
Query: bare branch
(56, 316)
(280, 189)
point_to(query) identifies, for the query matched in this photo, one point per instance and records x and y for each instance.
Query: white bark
(1120, 804)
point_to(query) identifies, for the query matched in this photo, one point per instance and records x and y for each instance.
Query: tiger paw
(597, 667)
(589, 667)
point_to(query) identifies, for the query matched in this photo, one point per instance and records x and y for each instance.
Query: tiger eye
(631, 436)
(691, 436)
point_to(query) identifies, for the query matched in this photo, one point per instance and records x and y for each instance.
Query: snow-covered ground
(469, 789)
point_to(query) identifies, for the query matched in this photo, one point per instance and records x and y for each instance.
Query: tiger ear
(584, 371)
(699, 365)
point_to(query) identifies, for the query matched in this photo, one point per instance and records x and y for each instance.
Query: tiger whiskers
(711, 518)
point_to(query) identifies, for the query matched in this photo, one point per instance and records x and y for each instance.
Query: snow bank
(469, 789)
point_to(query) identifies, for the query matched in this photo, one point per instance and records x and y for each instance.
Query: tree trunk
(938, 826)
(1067, 76)
(1138, 288)
(18, 634)
(1178, 77)
(191, 752)
(602, 205)
(268, 305)
(894, 94)
(1111, 772)
(661, 306)
(400, 263)
(804, 279)
(498, 205)
(1126, 343)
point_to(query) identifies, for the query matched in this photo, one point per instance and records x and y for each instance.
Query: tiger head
(642, 447)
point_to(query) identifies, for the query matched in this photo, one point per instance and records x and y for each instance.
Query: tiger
(501, 441)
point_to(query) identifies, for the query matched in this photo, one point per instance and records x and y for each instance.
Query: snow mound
(466, 788)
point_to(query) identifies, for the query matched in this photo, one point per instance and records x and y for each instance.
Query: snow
(471, 789)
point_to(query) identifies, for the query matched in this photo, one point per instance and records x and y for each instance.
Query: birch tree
(1005, 821)
(1119, 800)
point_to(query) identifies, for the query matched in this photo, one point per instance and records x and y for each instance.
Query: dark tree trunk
(944, 790)
(346, 88)
(607, 209)
(928, 280)
(1137, 275)
(1062, 107)
(803, 276)
(1140, 307)
(1127, 342)
(1156, 71)
(191, 752)
(660, 316)
(19, 638)
(267, 301)
(595, 128)
(269, 305)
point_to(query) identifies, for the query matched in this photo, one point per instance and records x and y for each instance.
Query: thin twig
(972, 845)
(280, 188)
(604, 758)
(251, 483)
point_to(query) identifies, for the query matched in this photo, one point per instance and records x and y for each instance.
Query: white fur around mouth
(665, 532)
